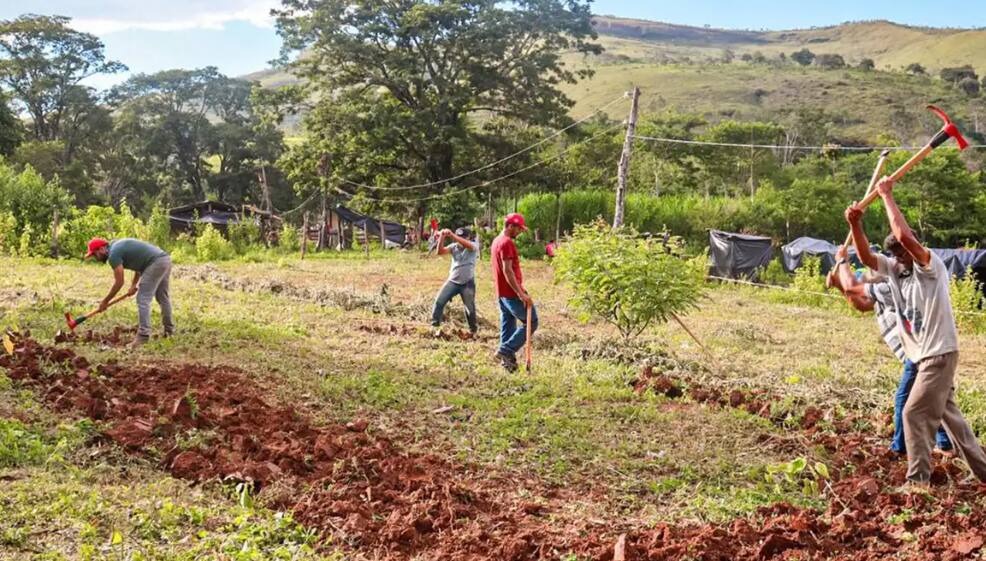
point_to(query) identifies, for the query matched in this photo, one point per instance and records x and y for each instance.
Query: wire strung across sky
(491, 181)
(489, 165)
(783, 147)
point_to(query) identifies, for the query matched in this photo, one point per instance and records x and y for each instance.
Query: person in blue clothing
(461, 277)
(874, 294)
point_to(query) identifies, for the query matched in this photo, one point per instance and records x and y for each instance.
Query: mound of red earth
(119, 336)
(389, 504)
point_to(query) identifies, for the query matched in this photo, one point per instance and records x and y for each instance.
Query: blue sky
(238, 35)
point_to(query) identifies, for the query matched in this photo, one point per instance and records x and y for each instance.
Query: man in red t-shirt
(510, 293)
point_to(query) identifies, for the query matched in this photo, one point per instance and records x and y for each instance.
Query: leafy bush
(102, 222)
(159, 228)
(775, 274)
(243, 235)
(810, 283)
(8, 232)
(212, 246)
(628, 281)
(24, 247)
(289, 238)
(968, 302)
(32, 200)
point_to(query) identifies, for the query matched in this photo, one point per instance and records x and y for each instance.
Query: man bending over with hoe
(461, 276)
(514, 301)
(918, 281)
(152, 271)
(874, 294)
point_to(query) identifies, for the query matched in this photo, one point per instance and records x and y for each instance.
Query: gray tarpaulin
(793, 254)
(738, 255)
(958, 260)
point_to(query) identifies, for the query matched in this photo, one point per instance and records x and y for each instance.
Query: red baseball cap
(515, 219)
(95, 244)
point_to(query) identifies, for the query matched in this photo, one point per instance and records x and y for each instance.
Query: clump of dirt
(635, 353)
(117, 337)
(388, 504)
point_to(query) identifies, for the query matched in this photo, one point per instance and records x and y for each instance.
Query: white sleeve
(934, 268)
(886, 266)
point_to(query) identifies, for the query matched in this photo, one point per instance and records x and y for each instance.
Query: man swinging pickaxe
(948, 130)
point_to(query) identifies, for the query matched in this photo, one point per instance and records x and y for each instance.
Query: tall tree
(42, 62)
(11, 128)
(399, 80)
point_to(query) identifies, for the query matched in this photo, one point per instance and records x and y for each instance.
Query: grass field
(344, 338)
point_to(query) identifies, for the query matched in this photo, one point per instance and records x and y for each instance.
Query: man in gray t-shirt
(918, 281)
(461, 277)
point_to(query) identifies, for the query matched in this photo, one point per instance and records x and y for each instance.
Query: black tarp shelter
(793, 254)
(738, 255)
(959, 261)
(393, 231)
(219, 214)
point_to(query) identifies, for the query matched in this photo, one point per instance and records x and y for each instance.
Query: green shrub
(24, 246)
(159, 228)
(775, 274)
(8, 232)
(243, 235)
(32, 200)
(289, 238)
(968, 303)
(212, 246)
(809, 283)
(102, 222)
(628, 281)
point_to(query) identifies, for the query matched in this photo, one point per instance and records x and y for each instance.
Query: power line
(487, 166)
(784, 147)
(491, 181)
(297, 208)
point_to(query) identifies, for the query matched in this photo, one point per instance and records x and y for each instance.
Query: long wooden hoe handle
(527, 345)
(877, 172)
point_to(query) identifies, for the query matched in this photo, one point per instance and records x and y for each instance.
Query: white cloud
(108, 16)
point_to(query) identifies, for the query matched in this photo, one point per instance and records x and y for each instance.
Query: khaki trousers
(932, 403)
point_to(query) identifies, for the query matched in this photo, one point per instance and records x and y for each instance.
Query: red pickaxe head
(71, 322)
(949, 130)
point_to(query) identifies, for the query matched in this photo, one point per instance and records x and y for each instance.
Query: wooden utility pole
(54, 234)
(304, 236)
(383, 235)
(624, 167)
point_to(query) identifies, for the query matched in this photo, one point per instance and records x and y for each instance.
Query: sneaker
(914, 488)
(139, 341)
(508, 362)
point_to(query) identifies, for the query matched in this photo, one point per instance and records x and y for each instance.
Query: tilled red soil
(119, 336)
(389, 504)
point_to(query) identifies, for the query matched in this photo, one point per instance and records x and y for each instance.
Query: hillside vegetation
(684, 69)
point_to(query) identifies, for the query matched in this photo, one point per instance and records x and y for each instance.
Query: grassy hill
(682, 68)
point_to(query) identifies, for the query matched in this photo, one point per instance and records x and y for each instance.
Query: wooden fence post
(366, 239)
(304, 237)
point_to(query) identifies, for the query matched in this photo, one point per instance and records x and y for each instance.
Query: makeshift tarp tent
(793, 254)
(959, 260)
(219, 214)
(738, 255)
(394, 232)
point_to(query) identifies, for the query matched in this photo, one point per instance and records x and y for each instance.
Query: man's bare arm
(899, 227)
(508, 273)
(854, 216)
(117, 285)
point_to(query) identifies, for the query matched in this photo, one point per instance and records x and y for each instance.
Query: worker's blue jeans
(449, 290)
(512, 336)
(903, 391)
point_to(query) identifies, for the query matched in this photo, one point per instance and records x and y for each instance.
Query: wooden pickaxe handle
(949, 130)
(877, 172)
